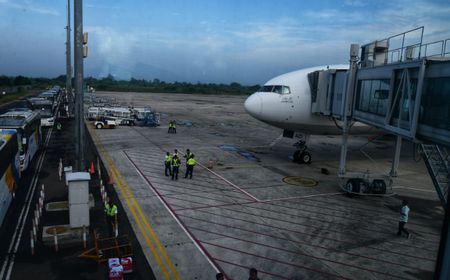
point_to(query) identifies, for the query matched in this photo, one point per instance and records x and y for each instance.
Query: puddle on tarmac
(234, 149)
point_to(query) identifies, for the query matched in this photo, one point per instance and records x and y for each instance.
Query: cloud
(252, 51)
(29, 6)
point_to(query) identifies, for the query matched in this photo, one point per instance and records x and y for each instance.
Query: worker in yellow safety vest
(111, 216)
(175, 167)
(190, 167)
(188, 155)
(167, 163)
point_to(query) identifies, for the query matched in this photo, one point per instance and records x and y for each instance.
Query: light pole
(68, 54)
(79, 111)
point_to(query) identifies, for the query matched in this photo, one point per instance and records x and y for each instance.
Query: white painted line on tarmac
(300, 197)
(414, 189)
(12, 250)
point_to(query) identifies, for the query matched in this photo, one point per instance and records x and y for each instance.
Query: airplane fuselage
(285, 102)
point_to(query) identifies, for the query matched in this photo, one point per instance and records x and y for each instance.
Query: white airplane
(285, 102)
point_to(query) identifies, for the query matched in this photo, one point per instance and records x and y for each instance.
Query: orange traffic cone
(210, 164)
(110, 180)
(92, 169)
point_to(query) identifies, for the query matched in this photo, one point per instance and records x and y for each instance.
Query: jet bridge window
(276, 89)
(372, 96)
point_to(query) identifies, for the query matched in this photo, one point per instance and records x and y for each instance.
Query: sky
(207, 41)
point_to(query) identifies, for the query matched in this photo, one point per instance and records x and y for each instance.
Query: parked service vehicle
(105, 123)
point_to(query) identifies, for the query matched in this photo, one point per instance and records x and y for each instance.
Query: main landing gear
(301, 155)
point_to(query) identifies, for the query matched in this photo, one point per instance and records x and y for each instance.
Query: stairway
(437, 161)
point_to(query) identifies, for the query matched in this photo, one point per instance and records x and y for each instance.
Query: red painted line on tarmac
(253, 198)
(371, 216)
(313, 235)
(276, 261)
(298, 242)
(205, 252)
(248, 268)
(200, 196)
(372, 221)
(164, 186)
(345, 231)
(214, 206)
(296, 253)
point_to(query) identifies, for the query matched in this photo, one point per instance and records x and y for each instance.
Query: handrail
(398, 54)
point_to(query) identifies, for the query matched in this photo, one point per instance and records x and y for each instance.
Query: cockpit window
(276, 89)
(266, 89)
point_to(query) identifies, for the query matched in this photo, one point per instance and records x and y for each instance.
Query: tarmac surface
(255, 207)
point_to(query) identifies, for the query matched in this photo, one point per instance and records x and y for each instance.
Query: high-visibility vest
(113, 211)
(167, 159)
(191, 162)
(107, 208)
(175, 162)
(189, 155)
(170, 125)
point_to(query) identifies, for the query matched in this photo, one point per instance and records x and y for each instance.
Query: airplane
(285, 102)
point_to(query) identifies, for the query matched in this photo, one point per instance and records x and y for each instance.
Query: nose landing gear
(301, 155)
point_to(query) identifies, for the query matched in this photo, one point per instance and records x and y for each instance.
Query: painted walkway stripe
(144, 226)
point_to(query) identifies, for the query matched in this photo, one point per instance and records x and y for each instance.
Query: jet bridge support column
(396, 160)
(348, 98)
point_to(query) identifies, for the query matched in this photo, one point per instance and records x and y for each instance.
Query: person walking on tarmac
(190, 167)
(58, 126)
(404, 213)
(167, 163)
(174, 127)
(175, 167)
(170, 130)
(111, 216)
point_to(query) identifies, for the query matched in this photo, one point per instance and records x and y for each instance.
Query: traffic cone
(92, 169)
(110, 180)
(210, 164)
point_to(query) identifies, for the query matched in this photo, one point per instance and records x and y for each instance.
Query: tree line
(109, 83)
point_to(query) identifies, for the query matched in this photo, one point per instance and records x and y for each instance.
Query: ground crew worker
(111, 216)
(175, 153)
(167, 163)
(174, 127)
(404, 213)
(190, 167)
(170, 127)
(187, 156)
(58, 126)
(175, 167)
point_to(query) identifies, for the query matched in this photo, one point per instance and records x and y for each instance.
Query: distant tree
(61, 79)
(21, 80)
(6, 81)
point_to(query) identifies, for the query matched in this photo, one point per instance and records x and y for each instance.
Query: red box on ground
(127, 264)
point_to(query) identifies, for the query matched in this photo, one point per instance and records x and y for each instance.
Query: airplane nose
(253, 105)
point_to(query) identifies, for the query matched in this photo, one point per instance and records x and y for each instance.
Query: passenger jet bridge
(402, 86)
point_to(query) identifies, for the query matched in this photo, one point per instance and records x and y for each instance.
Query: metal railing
(406, 51)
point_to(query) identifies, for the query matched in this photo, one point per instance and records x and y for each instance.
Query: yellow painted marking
(151, 231)
(134, 206)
